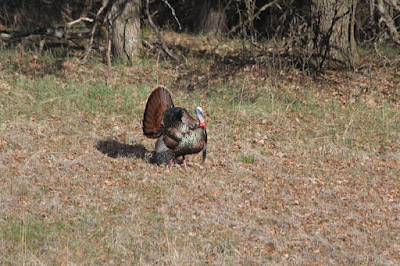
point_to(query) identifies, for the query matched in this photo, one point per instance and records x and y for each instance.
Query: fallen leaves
(280, 185)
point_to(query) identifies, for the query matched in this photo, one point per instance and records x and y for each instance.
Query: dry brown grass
(294, 174)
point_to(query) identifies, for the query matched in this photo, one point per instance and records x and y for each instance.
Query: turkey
(177, 133)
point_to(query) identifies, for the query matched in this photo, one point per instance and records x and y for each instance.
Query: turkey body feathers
(182, 132)
(177, 133)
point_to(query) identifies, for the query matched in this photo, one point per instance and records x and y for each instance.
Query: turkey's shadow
(114, 149)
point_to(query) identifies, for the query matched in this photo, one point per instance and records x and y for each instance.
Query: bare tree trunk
(124, 29)
(333, 26)
(212, 17)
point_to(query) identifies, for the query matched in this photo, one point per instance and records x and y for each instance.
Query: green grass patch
(248, 159)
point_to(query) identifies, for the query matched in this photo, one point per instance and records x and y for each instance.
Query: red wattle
(202, 124)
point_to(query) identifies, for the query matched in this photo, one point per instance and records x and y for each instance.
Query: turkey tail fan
(158, 101)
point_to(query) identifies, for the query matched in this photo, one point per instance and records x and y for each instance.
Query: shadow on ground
(114, 149)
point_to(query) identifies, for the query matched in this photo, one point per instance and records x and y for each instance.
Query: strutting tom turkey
(177, 133)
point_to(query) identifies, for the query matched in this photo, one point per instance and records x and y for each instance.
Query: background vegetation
(313, 34)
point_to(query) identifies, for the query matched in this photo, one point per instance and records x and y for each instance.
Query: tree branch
(158, 34)
(260, 10)
(173, 13)
(105, 4)
(394, 34)
(69, 24)
(394, 4)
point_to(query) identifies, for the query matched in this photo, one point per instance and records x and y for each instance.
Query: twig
(105, 4)
(30, 158)
(394, 4)
(390, 23)
(264, 7)
(173, 13)
(158, 34)
(352, 118)
(146, 43)
(69, 24)
(109, 51)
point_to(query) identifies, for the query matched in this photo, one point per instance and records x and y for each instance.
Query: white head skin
(199, 113)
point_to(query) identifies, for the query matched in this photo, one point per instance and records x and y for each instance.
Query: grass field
(299, 170)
